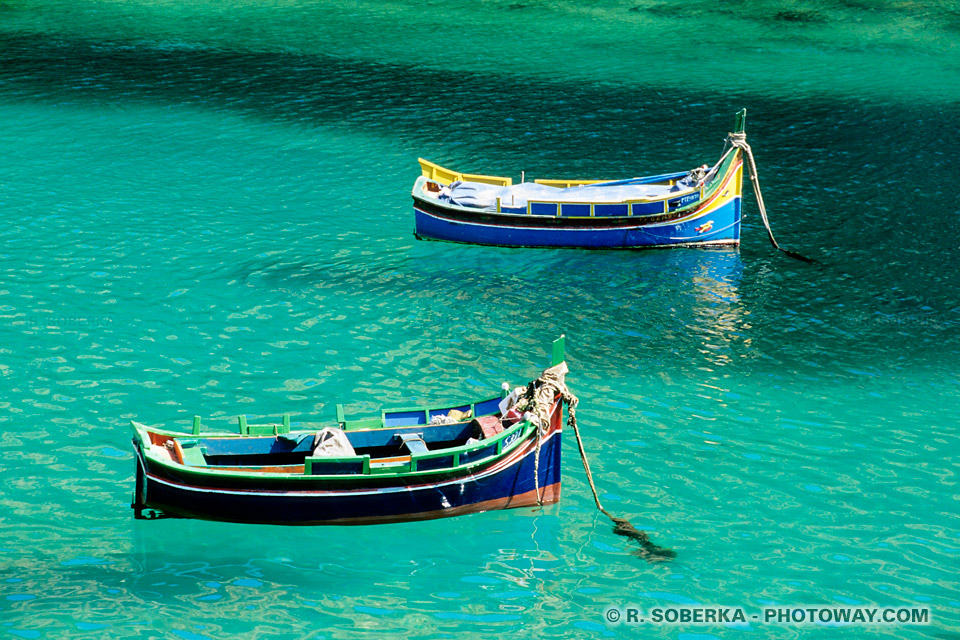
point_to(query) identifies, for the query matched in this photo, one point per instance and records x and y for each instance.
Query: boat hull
(709, 216)
(722, 228)
(506, 483)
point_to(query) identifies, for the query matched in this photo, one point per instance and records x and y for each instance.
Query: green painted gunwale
(195, 473)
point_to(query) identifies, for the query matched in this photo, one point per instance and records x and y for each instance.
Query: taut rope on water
(739, 141)
(538, 399)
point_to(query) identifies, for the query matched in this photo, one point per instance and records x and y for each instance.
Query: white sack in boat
(331, 442)
(484, 196)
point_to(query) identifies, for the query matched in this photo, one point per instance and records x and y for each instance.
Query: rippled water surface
(206, 211)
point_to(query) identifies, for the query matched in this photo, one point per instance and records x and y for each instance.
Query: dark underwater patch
(799, 16)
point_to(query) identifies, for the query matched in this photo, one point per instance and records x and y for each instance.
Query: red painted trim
(290, 468)
(159, 439)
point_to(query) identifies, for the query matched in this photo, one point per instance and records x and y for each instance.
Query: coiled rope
(538, 399)
(739, 141)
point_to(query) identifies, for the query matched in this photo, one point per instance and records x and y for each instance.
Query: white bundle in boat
(331, 442)
(484, 196)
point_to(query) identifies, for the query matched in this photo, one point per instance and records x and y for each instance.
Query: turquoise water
(206, 211)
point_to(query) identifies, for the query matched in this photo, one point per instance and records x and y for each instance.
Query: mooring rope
(739, 141)
(536, 464)
(539, 396)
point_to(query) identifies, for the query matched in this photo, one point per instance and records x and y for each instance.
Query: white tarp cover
(484, 196)
(331, 442)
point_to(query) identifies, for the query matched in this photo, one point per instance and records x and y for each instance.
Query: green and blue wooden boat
(407, 464)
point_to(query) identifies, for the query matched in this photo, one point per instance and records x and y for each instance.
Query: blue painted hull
(671, 210)
(507, 484)
(723, 221)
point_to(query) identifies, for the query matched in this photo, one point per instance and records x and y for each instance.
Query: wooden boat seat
(413, 442)
(190, 452)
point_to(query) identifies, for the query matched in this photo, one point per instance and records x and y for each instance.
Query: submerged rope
(739, 141)
(539, 396)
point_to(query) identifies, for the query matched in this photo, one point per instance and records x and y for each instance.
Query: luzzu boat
(701, 207)
(407, 464)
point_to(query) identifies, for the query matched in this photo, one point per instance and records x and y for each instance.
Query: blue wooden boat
(407, 464)
(700, 207)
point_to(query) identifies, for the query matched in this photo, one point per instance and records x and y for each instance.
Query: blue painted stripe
(543, 208)
(647, 208)
(478, 454)
(328, 467)
(432, 464)
(404, 418)
(575, 209)
(487, 407)
(611, 210)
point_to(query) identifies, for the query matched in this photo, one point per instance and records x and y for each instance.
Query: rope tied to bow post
(538, 399)
(738, 140)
